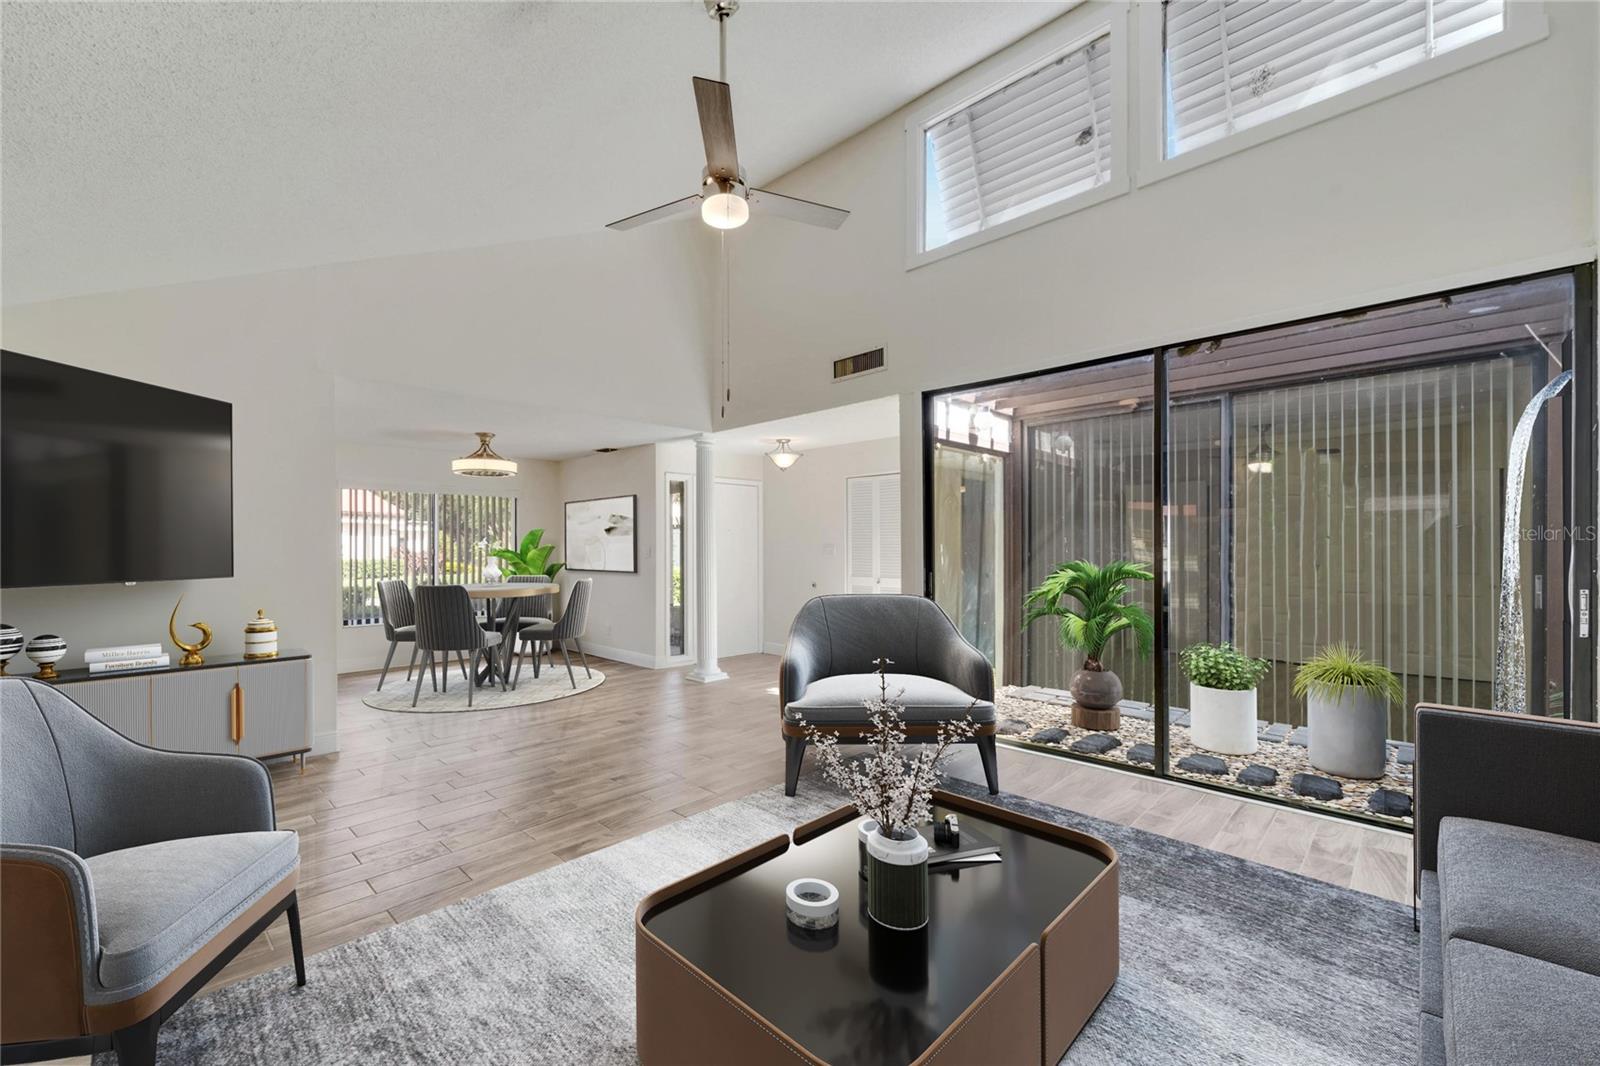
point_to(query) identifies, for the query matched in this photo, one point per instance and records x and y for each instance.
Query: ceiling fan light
(484, 462)
(783, 457)
(724, 210)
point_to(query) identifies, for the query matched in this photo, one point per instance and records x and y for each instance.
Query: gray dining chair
(399, 613)
(513, 612)
(447, 622)
(571, 626)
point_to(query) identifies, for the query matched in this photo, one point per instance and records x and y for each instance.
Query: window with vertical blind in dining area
(1039, 139)
(872, 532)
(1234, 64)
(421, 538)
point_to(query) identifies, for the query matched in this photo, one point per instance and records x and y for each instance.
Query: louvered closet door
(873, 530)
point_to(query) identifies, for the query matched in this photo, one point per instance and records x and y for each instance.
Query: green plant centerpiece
(1222, 697)
(1091, 603)
(1348, 697)
(529, 557)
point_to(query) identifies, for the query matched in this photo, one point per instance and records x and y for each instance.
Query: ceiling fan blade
(656, 214)
(716, 126)
(766, 202)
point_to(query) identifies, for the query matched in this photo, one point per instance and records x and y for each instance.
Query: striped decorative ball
(10, 643)
(46, 649)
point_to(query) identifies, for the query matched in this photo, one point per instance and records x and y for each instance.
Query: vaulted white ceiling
(147, 143)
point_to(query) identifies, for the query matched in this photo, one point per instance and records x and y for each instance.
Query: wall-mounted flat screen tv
(103, 479)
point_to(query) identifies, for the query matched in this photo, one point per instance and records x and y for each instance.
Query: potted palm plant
(1222, 697)
(1091, 602)
(1347, 709)
(529, 557)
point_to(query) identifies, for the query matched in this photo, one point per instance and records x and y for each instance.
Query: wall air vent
(853, 365)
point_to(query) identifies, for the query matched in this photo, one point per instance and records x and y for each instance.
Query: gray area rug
(1223, 961)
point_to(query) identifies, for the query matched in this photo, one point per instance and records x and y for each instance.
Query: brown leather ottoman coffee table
(1015, 957)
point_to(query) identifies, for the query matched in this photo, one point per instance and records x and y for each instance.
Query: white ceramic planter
(1223, 720)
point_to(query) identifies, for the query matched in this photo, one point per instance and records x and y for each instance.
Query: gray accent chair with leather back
(827, 673)
(128, 877)
(1507, 851)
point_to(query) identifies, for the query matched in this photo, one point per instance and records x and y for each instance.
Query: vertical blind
(1233, 64)
(418, 537)
(1038, 140)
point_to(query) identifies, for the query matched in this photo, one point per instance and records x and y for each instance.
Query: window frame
(1525, 24)
(1070, 32)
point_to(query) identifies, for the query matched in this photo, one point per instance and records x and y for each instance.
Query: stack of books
(125, 657)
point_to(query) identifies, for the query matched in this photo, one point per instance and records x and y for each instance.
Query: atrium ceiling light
(783, 457)
(484, 462)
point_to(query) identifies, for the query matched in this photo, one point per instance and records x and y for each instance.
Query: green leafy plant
(1091, 603)
(1221, 666)
(530, 557)
(1338, 667)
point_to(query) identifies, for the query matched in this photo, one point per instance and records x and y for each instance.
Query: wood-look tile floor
(416, 812)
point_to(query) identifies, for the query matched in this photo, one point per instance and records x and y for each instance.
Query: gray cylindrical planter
(897, 880)
(1348, 733)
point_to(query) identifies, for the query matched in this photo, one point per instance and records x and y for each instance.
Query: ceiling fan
(724, 200)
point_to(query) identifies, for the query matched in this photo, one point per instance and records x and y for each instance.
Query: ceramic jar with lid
(261, 637)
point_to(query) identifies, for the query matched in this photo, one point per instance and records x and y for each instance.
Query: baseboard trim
(325, 743)
(623, 655)
(774, 649)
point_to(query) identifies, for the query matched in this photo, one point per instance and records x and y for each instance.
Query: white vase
(1223, 720)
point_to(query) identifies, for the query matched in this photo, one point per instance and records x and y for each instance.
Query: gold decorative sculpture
(191, 652)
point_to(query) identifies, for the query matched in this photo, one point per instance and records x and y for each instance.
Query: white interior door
(738, 506)
(872, 526)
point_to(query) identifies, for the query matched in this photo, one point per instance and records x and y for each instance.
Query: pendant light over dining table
(484, 462)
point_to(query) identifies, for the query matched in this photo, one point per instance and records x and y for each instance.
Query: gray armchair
(128, 877)
(828, 670)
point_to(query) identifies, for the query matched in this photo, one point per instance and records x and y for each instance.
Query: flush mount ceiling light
(1260, 461)
(783, 457)
(484, 462)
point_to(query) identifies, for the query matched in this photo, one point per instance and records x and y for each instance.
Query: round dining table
(493, 592)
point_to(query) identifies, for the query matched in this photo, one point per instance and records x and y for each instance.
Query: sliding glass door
(1353, 485)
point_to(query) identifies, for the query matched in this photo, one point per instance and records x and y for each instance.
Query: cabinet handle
(236, 714)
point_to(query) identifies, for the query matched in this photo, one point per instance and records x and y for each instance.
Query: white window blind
(1036, 141)
(1233, 64)
(873, 532)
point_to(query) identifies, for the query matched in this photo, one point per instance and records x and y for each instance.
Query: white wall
(252, 344)
(804, 519)
(536, 487)
(1485, 173)
(624, 609)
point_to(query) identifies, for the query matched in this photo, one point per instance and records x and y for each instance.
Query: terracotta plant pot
(1095, 695)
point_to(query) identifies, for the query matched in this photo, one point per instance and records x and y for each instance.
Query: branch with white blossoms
(886, 785)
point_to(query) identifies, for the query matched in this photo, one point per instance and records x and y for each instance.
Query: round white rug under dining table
(551, 684)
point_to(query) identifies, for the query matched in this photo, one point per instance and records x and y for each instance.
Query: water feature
(1510, 649)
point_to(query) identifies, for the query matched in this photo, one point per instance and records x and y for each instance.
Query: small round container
(812, 903)
(261, 637)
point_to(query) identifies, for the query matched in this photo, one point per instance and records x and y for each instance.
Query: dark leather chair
(129, 877)
(828, 670)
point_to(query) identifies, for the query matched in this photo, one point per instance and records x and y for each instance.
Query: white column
(705, 564)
